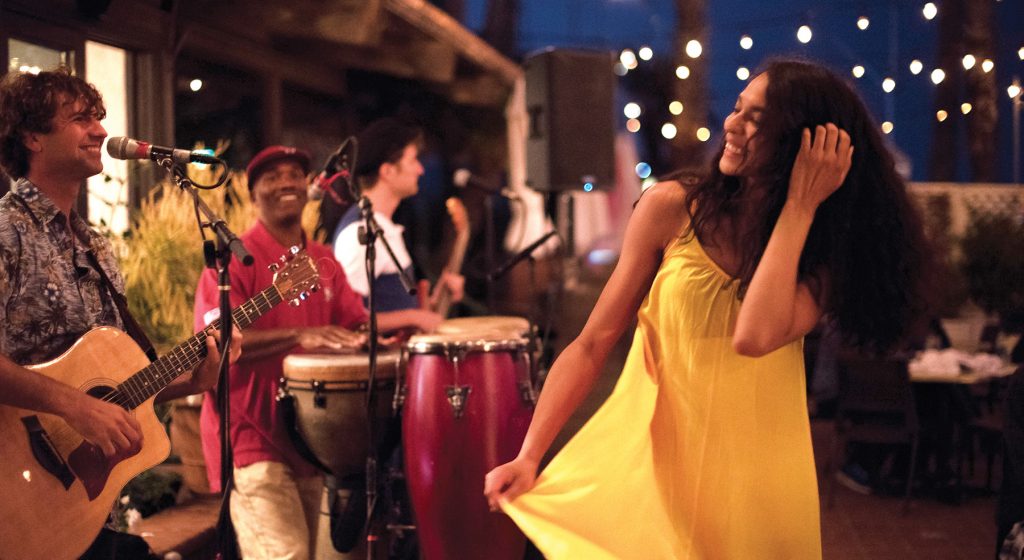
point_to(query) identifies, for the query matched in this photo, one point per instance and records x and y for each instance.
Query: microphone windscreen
(117, 147)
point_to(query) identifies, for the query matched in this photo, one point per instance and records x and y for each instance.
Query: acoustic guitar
(56, 489)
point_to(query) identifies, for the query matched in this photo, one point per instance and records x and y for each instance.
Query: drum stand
(369, 233)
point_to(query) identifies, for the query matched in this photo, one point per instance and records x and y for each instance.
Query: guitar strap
(131, 326)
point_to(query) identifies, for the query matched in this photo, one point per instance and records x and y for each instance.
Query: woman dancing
(703, 450)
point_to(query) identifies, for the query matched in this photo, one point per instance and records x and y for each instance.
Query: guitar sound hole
(101, 391)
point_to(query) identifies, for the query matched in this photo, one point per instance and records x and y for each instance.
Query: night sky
(898, 33)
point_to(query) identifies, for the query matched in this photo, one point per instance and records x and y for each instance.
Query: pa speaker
(570, 142)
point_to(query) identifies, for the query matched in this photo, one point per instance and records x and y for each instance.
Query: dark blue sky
(897, 34)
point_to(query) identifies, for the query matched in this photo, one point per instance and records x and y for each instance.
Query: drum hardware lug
(399, 399)
(319, 399)
(457, 396)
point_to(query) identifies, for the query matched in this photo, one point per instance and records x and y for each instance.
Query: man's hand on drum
(506, 482)
(331, 338)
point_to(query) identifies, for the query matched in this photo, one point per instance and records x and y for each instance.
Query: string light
(643, 170)
(682, 72)
(938, 75)
(693, 48)
(987, 65)
(941, 115)
(858, 71)
(1020, 53)
(195, 85)
(888, 85)
(746, 42)
(631, 110)
(633, 125)
(887, 127)
(742, 73)
(969, 61)
(646, 53)
(703, 134)
(1014, 90)
(916, 66)
(804, 34)
(863, 22)
(620, 70)
(965, 108)
(668, 130)
(676, 108)
(628, 59)
(930, 11)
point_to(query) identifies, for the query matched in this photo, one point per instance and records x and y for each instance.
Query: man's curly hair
(28, 104)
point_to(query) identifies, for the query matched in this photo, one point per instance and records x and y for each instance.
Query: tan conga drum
(330, 396)
(507, 325)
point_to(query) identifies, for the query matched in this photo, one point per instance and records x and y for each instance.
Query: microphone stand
(218, 258)
(369, 233)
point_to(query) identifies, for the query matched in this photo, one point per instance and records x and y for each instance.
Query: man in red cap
(275, 502)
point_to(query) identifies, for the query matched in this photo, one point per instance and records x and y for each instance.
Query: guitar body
(41, 515)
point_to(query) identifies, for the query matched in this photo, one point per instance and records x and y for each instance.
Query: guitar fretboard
(151, 379)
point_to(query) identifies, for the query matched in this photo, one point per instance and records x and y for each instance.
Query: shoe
(854, 477)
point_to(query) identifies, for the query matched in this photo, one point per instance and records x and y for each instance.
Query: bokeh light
(682, 72)
(676, 107)
(887, 127)
(858, 71)
(916, 66)
(631, 110)
(747, 42)
(668, 130)
(804, 34)
(703, 134)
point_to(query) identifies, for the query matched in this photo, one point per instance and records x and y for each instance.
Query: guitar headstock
(458, 214)
(296, 276)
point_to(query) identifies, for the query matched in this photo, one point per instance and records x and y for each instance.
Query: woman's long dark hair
(867, 237)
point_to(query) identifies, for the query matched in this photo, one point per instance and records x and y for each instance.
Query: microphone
(464, 179)
(507, 265)
(329, 173)
(120, 147)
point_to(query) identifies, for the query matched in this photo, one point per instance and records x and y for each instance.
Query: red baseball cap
(270, 155)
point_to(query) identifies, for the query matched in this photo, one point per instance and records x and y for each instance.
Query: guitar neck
(444, 299)
(151, 379)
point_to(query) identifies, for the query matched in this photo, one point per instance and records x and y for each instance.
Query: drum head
(465, 342)
(505, 324)
(338, 367)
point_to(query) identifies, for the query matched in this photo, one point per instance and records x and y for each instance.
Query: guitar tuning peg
(314, 288)
(294, 249)
(303, 296)
(272, 267)
(283, 259)
(294, 303)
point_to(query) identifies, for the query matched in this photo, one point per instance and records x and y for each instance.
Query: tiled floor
(874, 528)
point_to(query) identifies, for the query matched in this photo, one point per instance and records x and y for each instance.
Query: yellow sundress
(699, 453)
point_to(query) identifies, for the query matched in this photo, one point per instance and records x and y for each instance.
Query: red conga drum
(467, 406)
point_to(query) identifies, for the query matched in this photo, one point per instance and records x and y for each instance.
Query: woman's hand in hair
(820, 166)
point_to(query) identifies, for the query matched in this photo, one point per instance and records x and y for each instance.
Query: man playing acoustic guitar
(57, 275)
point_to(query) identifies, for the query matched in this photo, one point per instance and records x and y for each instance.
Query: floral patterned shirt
(50, 295)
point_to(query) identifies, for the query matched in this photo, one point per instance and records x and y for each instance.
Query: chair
(875, 406)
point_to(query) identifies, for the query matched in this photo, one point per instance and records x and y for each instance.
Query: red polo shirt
(257, 431)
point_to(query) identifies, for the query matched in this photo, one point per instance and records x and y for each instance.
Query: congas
(330, 404)
(513, 327)
(468, 402)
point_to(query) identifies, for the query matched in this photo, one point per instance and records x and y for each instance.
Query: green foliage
(993, 262)
(162, 255)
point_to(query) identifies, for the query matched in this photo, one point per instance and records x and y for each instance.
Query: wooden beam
(345, 22)
(435, 23)
(211, 44)
(484, 90)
